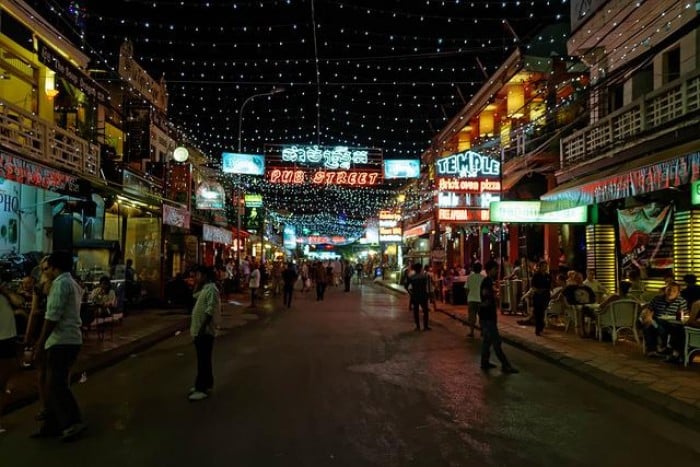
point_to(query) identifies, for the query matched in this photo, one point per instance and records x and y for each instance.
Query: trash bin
(459, 293)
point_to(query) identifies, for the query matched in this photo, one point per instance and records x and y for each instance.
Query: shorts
(8, 348)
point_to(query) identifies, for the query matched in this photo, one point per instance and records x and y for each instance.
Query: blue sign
(401, 168)
(243, 164)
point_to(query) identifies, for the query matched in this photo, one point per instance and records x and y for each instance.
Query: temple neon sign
(468, 164)
(324, 177)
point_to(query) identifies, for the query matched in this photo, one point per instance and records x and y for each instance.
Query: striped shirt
(662, 307)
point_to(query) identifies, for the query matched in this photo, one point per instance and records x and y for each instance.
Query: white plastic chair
(618, 315)
(570, 315)
(692, 343)
(555, 309)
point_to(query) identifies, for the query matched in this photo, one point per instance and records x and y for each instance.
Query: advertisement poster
(646, 238)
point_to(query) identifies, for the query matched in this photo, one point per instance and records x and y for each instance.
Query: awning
(632, 178)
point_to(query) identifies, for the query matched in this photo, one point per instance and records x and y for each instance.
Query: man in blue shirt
(58, 346)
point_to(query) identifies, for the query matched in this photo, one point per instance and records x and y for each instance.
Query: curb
(660, 403)
(109, 358)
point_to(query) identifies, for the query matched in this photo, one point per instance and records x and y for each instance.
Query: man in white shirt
(595, 285)
(254, 282)
(473, 286)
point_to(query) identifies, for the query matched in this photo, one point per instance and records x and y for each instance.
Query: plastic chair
(692, 343)
(618, 315)
(555, 309)
(571, 315)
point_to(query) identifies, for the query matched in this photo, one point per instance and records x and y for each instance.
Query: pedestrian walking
(473, 286)
(34, 327)
(541, 294)
(347, 275)
(419, 288)
(59, 346)
(289, 278)
(489, 327)
(203, 330)
(320, 278)
(254, 282)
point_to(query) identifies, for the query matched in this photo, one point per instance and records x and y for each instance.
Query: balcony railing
(44, 142)
(664, 108)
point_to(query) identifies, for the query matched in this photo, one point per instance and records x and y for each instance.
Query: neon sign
(463, 215)
(471, 186)
(529, 212)
(323, 177)
(468, 164)
(338, 157)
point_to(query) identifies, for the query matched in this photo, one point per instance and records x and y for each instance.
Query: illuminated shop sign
(390, 234)
(470, 186)
(461, 200)
(210, 195)
(325, 240)
(216, 234)
(337, 157)
(468, 164)
(176, 217)
(253, 201)
(323, 177)
(27, 173)
(242, 164)
(463, 215)
(529, 212)
(417, 231)
(695, 193)
(401, 168)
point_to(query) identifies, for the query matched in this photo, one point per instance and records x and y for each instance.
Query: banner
(646, 238)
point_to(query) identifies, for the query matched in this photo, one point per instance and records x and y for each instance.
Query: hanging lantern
(464, 139)
(486, 123)
(50, 84)
(516, 100)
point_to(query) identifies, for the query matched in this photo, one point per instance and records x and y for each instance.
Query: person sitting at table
(103, 297)
(625, 288)
(655, 324)
(595, 285)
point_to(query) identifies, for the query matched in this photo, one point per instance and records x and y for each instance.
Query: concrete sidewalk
(670, 389)
(138, 331)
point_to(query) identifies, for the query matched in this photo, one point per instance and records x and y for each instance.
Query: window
(672, 65)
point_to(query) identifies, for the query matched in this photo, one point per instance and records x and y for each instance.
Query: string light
(388, 78)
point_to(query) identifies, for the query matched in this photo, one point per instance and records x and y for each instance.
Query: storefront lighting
(516, 100)
(50, 84)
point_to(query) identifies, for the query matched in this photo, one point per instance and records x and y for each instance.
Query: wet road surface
(347, 382)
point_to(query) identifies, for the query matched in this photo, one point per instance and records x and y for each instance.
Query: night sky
(387, 74)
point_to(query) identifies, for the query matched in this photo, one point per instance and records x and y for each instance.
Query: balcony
(26, 134)
(633, 127)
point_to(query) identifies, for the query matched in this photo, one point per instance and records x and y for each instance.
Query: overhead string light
(389, 78)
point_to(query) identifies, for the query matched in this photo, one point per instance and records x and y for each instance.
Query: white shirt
(254, 281)
(473, 287)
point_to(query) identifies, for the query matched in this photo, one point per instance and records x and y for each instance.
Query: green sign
(529, 212)
(253, 201)
(695, 193)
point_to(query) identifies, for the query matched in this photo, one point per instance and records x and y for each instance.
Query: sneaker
(487, 366)
(191, 390)
(654, 354)
(509, 370)
(197, 396)
(73, 431)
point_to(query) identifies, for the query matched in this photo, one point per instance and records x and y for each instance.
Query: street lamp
(274, 90)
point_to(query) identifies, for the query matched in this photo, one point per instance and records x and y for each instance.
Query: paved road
(347, 382)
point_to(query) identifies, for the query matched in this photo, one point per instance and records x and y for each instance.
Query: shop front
(643, 218)
(32, 200)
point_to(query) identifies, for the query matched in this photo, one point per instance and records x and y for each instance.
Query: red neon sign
(470, 186)
(324, 177)
(463, 215)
